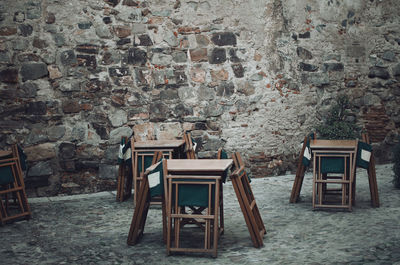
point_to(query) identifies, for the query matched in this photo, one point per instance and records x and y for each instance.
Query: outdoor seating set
(334, 171)
(190, 191)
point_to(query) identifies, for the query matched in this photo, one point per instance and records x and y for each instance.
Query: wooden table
(339, 149)
(198, 170)
(169, 148)
(4, 153)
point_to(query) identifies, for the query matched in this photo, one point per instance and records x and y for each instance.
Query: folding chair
(373, 185)
(142, 159)
(247, 202)
(189, 146)
(12, 183)
(148, 189)
(303, 162)
(221, 154)
(124, 180)
(193, 191)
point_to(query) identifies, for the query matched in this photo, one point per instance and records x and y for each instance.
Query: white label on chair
(128, 154)
(194, 146)
(307, 153)
(154, 179)
(365, 155)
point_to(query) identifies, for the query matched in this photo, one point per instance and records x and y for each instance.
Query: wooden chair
(301, 167)
(142, 159)
(176, 200)
(247, 202)
(143, 203)
(221, 154)
(124, 180)
(12, 183)
(189, 147)
(334, 168)
(373, 185)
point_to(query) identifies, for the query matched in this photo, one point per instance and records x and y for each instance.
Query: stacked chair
(13, 200)
(147, 190)
(189, 146)
(200, 195)
(247, 202)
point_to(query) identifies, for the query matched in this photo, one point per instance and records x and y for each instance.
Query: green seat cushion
(194, 195)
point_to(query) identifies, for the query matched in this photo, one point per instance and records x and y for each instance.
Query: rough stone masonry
(249, 76)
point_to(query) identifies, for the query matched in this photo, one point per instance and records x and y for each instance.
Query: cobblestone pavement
(92, 229)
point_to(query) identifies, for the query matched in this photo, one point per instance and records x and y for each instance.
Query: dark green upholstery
(333, 165)
(194, 195)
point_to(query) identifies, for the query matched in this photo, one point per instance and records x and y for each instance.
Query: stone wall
(250, 76)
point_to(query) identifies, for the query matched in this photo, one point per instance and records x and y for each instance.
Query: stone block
(69, 85)
(85, 25)
(70, 106)
(161, 59)
(333, 67)
(122, 31)
(389, 56)
(36, 135)
(87, 48)
(218, 75)
(39, 43)
(378, 72)
(59, 39)
(233, 57)
(40, 152)
(317, 79)
(55, 133)
(307, 67)
(25, 30)
(224, 39)
(202, 40)
(305, 35)
(86, 60)
(198, 55)
(137, 56)
(9, 75)
(396, 70)
(68, 57)
(143, 40)
(118, 71)
(123, 41)
(116, 134)
(19, 16)
(238, 70)
(159, 111)
(198, 75)
(118, 118)
(218, 56)
(8, 31)
(180, 57)
(32, 71)
(27, 90)
(36, 108)
(225, 89)
(42, 168)
(5, 57)
(304, 53)
(50, 18)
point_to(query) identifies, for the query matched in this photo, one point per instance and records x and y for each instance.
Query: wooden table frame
(200, 169)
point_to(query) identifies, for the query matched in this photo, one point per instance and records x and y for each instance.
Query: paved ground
(92, 229)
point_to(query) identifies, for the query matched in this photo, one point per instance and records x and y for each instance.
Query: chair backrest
(189, 147)
(221, 154)
(237, 160)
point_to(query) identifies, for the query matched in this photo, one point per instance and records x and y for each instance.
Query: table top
(198, 165)
(333, 144)
(5, 153)
(159, 144)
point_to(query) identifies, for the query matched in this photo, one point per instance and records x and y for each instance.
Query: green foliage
(336, 126)
(396, 165)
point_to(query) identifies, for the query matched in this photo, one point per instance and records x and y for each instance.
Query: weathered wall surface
(250, 76)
